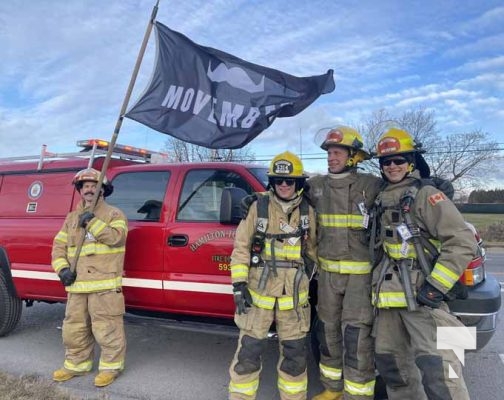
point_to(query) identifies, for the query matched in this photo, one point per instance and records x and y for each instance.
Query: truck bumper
(480, 309)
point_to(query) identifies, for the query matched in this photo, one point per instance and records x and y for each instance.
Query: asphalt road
(171, 360)
(484, 370)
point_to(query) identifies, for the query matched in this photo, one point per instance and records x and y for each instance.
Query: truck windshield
(261, 175)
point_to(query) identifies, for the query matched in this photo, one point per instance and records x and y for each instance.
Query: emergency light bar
(100, 144)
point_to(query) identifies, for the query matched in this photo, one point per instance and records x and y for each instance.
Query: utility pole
(300, 145)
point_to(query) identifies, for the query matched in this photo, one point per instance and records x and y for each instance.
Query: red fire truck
(182, 222)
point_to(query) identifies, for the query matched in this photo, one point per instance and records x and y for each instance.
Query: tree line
(486, 196)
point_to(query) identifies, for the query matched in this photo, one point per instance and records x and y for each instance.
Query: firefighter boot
(63, 374)
(329, 395)
(105, 378)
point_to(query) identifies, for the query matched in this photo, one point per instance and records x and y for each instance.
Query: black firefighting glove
(67, 277)
(242, 297)
(428, 295)
(458, 291)
(84, 218)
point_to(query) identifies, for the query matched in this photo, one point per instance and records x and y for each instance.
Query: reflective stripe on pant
(406, 348)
(246, 366)
(91, 317)
(344, 332)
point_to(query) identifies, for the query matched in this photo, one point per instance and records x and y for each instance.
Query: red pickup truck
(182, 222)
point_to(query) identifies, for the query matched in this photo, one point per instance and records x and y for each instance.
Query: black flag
(213, 99)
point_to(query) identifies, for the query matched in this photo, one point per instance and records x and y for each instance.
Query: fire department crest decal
(335, 136)
(388, 145)
(283, 167)
(35, 190)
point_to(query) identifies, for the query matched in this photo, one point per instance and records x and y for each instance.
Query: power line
(323, 156)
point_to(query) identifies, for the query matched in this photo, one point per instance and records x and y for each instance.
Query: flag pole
(118, 125)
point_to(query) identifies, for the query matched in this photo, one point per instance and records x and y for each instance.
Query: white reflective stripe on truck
(218, 288)
(198, 287)
(143, 283)
(23, 273)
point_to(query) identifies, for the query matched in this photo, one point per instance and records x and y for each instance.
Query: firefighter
(425, 248)
(272, 261)
(95, 304)
(342, 199)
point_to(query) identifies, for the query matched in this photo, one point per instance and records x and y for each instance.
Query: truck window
(261, 174)
(201, 193)
(140, 194)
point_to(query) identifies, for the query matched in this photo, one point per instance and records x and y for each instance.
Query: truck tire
(10, 308)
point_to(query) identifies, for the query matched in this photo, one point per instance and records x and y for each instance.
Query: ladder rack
(88, 152)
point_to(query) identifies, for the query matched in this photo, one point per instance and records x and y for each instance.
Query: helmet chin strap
(351, 162)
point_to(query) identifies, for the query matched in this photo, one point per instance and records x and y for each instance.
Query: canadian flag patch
(436, 198)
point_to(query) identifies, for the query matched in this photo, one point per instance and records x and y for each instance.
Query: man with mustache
(95, 304)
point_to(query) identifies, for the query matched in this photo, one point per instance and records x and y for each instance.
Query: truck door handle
(178, 240)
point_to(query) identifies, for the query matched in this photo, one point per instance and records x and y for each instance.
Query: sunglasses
(396, 161)
(288, 181)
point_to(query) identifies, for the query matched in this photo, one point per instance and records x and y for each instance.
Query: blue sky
(65, 65)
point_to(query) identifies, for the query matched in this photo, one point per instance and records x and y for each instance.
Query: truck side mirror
(231, 211)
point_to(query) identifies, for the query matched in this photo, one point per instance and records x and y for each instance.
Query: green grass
(481, 221)
(489, 226)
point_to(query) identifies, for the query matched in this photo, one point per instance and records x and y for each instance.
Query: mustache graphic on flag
(236, 77)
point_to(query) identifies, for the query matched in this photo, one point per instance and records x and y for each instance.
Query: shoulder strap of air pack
(260, 234)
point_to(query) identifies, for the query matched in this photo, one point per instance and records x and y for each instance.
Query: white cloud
(493, 63)
(488, 20)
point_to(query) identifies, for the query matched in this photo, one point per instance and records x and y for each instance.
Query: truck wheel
(10, 308)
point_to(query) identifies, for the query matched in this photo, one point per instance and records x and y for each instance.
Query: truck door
(198, 246)
(140, 195)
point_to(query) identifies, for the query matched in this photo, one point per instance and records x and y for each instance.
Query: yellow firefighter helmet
(286, 165)
(396, 141)
(349, 138)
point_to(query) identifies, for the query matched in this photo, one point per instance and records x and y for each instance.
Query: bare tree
(180, 151)
(462, 158)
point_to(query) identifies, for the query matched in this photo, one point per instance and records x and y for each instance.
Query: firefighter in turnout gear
(271, 264)
(342, 199)
(95, 304)
(425, 247)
